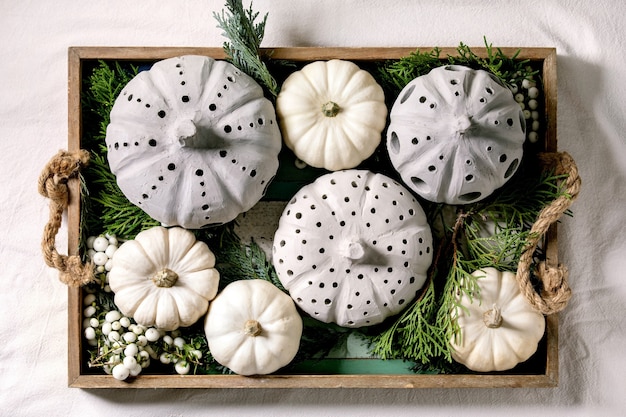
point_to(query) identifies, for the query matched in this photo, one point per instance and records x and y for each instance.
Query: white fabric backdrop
(589, 37)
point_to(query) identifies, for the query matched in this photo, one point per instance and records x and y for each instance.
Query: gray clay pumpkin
(352, 248)
(193, 141)
(456, 135)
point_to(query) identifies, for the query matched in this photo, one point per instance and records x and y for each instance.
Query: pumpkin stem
(354, 250)
(252, 328)
(330, 109)
(493, 318)
(165, 278)
(186, 132)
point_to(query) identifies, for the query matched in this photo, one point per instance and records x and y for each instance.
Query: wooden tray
(545, 376)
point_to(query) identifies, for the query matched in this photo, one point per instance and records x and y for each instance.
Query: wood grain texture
(79, 378)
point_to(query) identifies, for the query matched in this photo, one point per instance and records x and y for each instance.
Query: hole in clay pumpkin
(394, 143)
(511, 169)
(509, 122)
(502, 158)
(467, 197)
(408, 93)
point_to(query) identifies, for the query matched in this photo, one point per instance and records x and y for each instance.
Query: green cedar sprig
(244, 42)
(108, 209)
(394, 75)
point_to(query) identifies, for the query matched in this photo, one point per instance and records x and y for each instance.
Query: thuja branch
(244, 41)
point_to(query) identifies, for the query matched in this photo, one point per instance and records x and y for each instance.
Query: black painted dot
(389, 248)
(212, 107)
(260, 121)
(502, 158)
(199, 172)
(171, 166)
(116, 146)
(130, 97)
(373, 210)
(228, 129)
(298, 215)
(152, 142)
(318, 224)
(349, 306)
(160, 177)
(422, 99)
(322, 250)
(185, 99)
(144, 196)
(253, 173)
(223, 154)
(205, 207)
(509, 122)
(327, 301)
(161, 114)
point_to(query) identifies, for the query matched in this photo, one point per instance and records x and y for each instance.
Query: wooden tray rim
(76, 56)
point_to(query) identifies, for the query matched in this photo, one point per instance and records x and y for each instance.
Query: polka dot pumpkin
(455, 135)
(352, 248)
(193, 141)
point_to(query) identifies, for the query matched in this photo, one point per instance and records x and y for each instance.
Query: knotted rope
(555, 291)
(53, 185)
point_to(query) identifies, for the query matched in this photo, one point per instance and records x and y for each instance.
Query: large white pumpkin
(193, 141)
(456, 135)
(352, 248)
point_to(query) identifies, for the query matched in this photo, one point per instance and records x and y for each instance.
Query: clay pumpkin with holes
(498, 326)
(164, 278)
(193, 141)
(332, 114)
(352, 248)
(456, 135)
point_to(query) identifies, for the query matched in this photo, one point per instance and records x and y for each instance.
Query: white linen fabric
(589, 37)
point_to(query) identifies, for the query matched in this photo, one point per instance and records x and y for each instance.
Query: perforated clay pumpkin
(164, 278)
(498, 327)
(193, 142)
(253, 328)
(455, 135)
(331, 114)
(352, 248)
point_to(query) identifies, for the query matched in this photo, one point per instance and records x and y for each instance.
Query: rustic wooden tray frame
(77, 378)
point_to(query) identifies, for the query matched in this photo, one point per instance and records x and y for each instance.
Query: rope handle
(53, 185)
(555, 292)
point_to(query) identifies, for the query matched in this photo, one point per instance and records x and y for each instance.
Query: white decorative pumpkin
(352, 248)
(455, 135)
(498, 327)
(331, 114)
(193, 142)
(164, 278)
(253, 328)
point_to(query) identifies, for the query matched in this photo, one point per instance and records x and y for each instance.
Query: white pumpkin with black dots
(353, 248)
(193, 141)
(456, 135)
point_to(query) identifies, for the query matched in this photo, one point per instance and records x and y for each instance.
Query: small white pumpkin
(164, 278)
(455, 135)
(498, 327)
(331, 114)
(352, 248)
(193, 141)
(253, 328)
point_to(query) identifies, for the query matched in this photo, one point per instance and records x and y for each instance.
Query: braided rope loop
(555, 292)
(53, 184)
